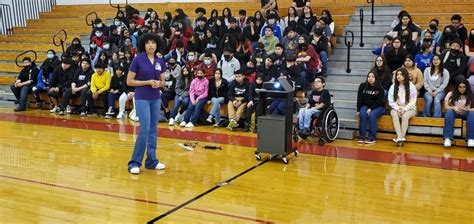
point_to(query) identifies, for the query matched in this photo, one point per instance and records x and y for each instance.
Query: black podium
(274, 131)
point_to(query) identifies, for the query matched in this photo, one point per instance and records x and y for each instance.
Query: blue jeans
(216, 108)
(148, 112)
(177, 104)
(323, 56)
(305, 116)
(371, 119)
(304, 81)
(194, 111)
(111, 98)
(437, 104)
(21, 94)
(277, 106)
(450, 116)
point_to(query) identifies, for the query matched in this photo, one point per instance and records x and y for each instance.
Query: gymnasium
(271, 111)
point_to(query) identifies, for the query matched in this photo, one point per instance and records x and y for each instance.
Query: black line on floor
(206, 192)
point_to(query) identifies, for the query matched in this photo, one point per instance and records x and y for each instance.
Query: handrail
(18, 56)
(7, 20)
(61, 41)
(92, 21)
(349, 44)
(361, 16)
(372, 21)
(30, 9)
(118, 5)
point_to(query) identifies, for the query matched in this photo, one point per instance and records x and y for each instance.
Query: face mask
(167, 75)
(454, 51)
(50, 55)
(93, 45)
(448, 34)
(171, 63)
(190, 57)
(433, 26)
(117, 23)
(98, 34)
(207, 62)
(200, 77)
(99, 25)
(428, 40)
(75, 43)
(271, 21)
(26, 64)
(227, 57)
(106, 46)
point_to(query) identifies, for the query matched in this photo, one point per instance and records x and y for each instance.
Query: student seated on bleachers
(229, 64)
(117, 87)
(370, 106)
(238, 98)
(100, 84)
(168, 92)
(458, 104)
(249, 124)
(208, 65)
(321, 44)
(291, 16)
(415, 75)
(383, 73)
(384, 47)
(402, 99)
(278, 104)
(198, 92)
(75, 48)
(306, 21)
(459, 28)
(61, 80)
(396, 55)
(406, 23)
(318, 101)
(408, 43)
(433, 30)
(269, 40)
(251, 31)
(79, 86)
(436, 79)
(423, 59)
(447, 37)
(127, 95)
(469, 48)
(24, 84)
(217, 96)
(455, 62)
(46, 70)
(308, 58)
(181, 99)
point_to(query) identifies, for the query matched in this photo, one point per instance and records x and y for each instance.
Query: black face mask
(454, 52)
(227, 57)
(427, 40)
(433, 27)
(200, 77)
(171, 64)
(448, 35)
(471, 38)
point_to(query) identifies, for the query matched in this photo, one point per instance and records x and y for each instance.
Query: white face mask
(117, 23)
(190, 57)
(207, 62)
(50, 56)
(98, 34)
(271, 21)
(99, 25)
(93, 45)
(167, 75)
(106, 46)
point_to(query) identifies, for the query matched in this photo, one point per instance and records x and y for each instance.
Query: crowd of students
(220, 60)
(414, 62)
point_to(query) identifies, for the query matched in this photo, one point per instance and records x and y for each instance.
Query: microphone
(184, 146)
(212, 147)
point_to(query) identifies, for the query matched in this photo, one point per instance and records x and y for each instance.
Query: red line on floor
(133, 199)
(219, 138)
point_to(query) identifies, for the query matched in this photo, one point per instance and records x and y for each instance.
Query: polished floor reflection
(67, 169)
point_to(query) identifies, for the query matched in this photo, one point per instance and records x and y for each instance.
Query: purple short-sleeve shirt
(145, 71)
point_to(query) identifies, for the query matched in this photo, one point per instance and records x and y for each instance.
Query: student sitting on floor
(402, 100)
(458, 104)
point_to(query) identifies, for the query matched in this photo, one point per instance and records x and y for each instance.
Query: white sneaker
(209, 119)
(171, 122)
(110, 111)
(470, 143)
(120, 115)
(447, 142)
(134, 118)
(189, 125)
(55, 109)
(182, 124)
(68, 109)
(160, 166)
(135, 170)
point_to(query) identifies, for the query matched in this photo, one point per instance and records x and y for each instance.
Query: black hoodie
(29, 73)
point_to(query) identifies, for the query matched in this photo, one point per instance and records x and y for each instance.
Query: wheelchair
(324, 126)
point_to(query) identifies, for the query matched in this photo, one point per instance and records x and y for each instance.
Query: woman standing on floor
(402, 100)
(145, 74)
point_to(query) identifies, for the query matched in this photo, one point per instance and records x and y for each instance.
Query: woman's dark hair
(409, 56)
(440, 67)
(180, 14)
(214, 14)
(406, 83)
(229, 15)
(377, 81)
(294, 10)
(169, 17)
(401, 15)
(200, 9)
(457, 95)
(310, 11)
(329, 16)
(148, 37)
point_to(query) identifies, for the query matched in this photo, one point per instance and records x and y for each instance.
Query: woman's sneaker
(160, 166)
(54, 110)
(369, 141)
(121, 115)
(210, 119)
(447, 142)
(171, 122)
(361, 141)
(470, 143)
(134, 170)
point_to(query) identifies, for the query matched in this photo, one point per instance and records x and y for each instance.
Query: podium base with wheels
(274, 138)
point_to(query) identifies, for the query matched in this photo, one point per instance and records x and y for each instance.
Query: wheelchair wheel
(331, 125)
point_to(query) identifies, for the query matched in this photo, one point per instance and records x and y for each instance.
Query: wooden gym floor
(73, 170)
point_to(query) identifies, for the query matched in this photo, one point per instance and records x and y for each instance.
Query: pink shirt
(199, 88)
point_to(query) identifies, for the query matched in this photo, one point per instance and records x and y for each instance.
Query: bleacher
(37, 35)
